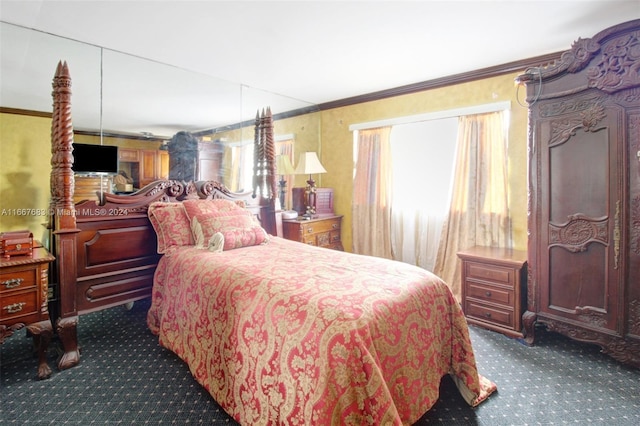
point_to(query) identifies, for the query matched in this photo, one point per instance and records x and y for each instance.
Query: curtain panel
(371, 211)
(285, 147)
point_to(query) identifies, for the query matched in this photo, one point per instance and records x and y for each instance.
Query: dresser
(320, 232)
(494, 288)
(91, 187)
(23, 301)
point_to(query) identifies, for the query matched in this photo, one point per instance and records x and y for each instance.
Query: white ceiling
(321, 51)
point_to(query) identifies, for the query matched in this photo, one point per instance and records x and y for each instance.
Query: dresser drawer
(310, 239)
(320, 226)
(488, 293)
(490, 314)
(17, 305)
(490, 273)
(322, 239)
(131, 155)
(23, 301)
(18, 280)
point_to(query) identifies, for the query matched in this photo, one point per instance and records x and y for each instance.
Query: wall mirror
(138, 104)
(28, 62)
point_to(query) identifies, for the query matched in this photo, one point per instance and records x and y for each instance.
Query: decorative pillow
(244, 237)
(172, 226)
(238, 226)
(198, 207)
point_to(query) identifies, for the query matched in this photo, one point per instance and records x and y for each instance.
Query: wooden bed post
(264, 169)
(64, 218)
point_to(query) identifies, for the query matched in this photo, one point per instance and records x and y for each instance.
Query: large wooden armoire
(584, 193)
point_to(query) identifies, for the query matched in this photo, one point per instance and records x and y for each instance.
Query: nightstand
(23, 301)
(321, 232)
(494, 288)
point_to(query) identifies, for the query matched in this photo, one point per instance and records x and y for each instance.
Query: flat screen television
(95, 158)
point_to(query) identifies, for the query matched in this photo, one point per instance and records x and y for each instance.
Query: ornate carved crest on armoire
(584, 193)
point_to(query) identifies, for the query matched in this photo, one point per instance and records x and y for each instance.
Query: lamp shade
(309, 164)
(283, 165)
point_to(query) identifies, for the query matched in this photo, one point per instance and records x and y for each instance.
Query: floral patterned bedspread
(285, 333)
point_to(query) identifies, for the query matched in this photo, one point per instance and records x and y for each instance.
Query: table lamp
(308, 164)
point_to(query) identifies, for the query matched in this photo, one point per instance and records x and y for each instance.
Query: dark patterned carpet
(125, 377)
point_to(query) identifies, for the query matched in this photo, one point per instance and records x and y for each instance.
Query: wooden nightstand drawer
(487, 293)
(490, 314)
(18, 280)
(18, 305)
(23, 301)
(491, 273)
(320, 226)
(310, 239)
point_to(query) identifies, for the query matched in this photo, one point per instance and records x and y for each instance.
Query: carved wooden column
(64, 219)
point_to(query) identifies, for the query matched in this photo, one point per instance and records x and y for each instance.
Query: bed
(287, 333)
(275, 330)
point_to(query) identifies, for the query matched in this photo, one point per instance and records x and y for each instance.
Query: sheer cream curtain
(371, 214)
(417, 216)
(236, 161)
(285, 147)
(478, 214)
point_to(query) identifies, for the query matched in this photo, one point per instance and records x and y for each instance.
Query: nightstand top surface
(495, 253)
(40, 255)
(325, 217)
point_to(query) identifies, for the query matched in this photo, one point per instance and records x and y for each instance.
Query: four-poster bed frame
(106, 252)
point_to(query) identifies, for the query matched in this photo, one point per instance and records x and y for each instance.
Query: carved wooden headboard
(106, 251)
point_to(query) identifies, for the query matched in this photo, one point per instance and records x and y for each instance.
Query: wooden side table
(23, 301)
(494, 288)
(320, 232)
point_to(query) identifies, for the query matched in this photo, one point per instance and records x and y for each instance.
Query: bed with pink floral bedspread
(286, 333)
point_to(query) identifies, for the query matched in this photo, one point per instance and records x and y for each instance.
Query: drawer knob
(334, 226)
(488, 294)
(310, 230)
(16, 307)
(487, 314)
(12, 283)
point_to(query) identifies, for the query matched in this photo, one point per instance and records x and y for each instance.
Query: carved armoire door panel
(581, 198)
(633, 283)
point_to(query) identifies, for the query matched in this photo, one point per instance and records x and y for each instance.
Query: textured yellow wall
(337, 141)
(25, 168)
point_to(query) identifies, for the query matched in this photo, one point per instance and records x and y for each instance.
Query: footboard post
(67, 329)
(66, 325)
